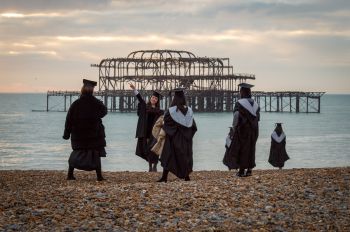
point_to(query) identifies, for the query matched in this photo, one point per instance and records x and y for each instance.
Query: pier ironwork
(211, 85)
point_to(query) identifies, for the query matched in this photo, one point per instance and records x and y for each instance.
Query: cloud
(49, 5)
(20, 15)
(271, 38)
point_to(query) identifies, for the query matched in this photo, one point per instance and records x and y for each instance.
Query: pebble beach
(270, 200)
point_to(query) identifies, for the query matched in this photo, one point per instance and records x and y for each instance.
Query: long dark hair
(86, 91)
(179, 100)
(149, 104)
(279, 130)
(246, 93)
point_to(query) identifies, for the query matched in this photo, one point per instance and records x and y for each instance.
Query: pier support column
(65, 103)
(106, 100)
(47, 103)
(281, 103)
(297, 102)
(121, 103)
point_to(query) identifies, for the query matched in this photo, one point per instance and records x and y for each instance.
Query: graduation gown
(84, 123)
(278, 154)
(147, 118)
(241, 153)
(177, 154)
(84, 126)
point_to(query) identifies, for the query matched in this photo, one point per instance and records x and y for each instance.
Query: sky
(290, 45)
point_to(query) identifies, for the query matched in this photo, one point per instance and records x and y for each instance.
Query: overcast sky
(299, 45)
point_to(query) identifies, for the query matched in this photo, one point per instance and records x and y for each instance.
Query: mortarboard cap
(278, 124)
(157, 94)
(179, 91)
(89, 83)
(245, 85)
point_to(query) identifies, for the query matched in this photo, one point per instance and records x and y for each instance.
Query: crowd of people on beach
(166, 136)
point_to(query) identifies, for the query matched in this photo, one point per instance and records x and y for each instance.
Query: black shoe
(240, 174)
(248, 173)
(71, 178)
(162, 180)
(187, 178)
(100, 178)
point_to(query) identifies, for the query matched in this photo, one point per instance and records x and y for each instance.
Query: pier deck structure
(211, 85)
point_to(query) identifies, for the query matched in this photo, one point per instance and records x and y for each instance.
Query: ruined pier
(211, 85)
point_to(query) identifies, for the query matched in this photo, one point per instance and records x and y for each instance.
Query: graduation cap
(89, 83)
(179, 91)
(245, 85)
(278, 124)
(157, 94)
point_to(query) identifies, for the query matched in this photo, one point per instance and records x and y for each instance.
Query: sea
(32, 140)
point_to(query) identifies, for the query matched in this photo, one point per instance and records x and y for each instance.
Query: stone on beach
(273, 200)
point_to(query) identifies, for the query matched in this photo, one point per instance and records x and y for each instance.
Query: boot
(164, 176)
(154, 167)
(187, 178)
(70, 173)
(240, 173)
(99, 175)
(249, 172)
(149, 166)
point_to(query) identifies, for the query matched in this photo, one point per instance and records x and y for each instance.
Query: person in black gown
(84, 127)
(278, 154)
(148, 114)
(180, 127)
(245, 130)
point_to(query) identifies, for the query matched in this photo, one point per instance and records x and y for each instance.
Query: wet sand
(270, 200)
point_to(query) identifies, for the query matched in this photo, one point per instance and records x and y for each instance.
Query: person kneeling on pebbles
(84, 127)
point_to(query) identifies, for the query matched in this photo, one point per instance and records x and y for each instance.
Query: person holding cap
(84, 126)
(180, 127)
(148, 114)
(245, 131)
(278, 155)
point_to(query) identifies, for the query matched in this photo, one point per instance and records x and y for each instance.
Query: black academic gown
(241, 153)
(147, 118)
(278, 154)
(177, 154)
(84, 126)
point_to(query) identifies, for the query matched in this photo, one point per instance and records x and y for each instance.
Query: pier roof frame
(168, 69)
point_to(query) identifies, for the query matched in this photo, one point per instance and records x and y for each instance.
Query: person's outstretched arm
(137, 94)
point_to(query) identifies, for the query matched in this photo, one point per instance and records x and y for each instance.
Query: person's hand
(132, 86)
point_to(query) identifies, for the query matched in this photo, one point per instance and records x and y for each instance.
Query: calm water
(33, 140)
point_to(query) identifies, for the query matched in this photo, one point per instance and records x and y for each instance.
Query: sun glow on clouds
(12, 15)
(20, 15)
(146, 38)
(170, 39)
(51, 53)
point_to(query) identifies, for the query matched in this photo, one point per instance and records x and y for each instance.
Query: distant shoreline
(311, 199)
